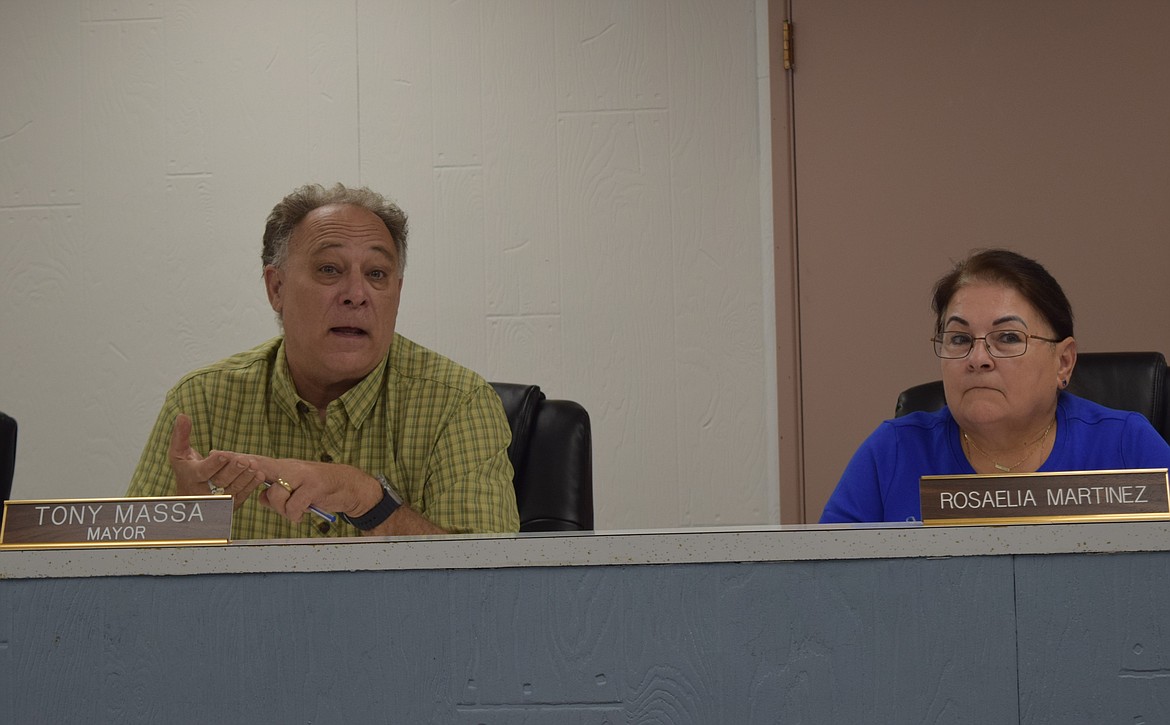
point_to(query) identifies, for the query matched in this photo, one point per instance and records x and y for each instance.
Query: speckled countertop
(607, 548)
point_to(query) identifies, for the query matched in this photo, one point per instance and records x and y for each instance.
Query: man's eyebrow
(326, 246)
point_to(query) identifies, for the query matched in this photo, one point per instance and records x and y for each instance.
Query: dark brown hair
(1024, 275)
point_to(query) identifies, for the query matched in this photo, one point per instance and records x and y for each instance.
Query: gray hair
(293, 208)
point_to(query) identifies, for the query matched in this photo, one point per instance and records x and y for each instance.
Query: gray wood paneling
(1094, 638)
(906, 640)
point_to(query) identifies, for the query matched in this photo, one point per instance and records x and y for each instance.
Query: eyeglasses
(955, 345)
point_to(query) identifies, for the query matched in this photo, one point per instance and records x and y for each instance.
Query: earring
(1064, 383)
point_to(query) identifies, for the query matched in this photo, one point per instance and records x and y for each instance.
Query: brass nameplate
(100, 522)
(1064, 496)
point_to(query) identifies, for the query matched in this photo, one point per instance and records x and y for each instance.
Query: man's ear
(274, 285)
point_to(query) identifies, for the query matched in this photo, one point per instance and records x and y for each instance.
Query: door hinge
(789, 55)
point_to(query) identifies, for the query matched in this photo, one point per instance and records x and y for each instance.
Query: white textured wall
(584, 180)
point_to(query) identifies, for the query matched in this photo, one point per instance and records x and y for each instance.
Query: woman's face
(1003, 395)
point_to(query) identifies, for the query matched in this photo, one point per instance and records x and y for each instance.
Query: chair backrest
(1134, 381)
(552, 454)
(7, 458)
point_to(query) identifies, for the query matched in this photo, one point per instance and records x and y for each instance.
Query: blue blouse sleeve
(858, 496)
(1142, 446)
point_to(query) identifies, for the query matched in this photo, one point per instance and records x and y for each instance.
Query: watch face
(388, 488)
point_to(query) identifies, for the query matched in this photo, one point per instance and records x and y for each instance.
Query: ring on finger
(285, 485)
(217, 490)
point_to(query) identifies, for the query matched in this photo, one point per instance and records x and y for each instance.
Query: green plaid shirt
(436, 430)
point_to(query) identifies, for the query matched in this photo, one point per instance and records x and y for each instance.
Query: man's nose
(353, 289)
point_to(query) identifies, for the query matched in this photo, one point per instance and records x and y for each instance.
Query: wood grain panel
(121, 10)
(719, 354)
(41, 108)
(1105, 617)
(558, 645)
(124, 142)
(456, 57)
(611, 55)
(619, 336)
(908, 640)
(520, 235)
(287, 96)
(459, 254)
(527, 350)
(43, 280)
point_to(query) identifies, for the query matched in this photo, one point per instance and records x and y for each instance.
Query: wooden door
(923, 129)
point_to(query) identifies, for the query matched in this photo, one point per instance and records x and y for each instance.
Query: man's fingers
(238, 477)
(276, 497)
(181, 438)
(279, 499)
(192, 470)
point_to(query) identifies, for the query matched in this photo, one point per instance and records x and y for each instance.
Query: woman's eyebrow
(997, 322)
(1010, 318)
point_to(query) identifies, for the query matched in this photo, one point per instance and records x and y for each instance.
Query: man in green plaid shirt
(339, 414)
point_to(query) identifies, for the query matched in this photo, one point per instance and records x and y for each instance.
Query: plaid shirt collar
(355, 403)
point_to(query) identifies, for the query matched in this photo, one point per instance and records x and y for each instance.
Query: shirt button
(326, 458)
(302, 408)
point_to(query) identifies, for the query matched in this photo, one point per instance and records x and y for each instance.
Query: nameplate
(101, 522)
(1065, 496)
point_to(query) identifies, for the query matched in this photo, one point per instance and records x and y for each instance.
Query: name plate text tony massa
(78, 523)
(1038, 497)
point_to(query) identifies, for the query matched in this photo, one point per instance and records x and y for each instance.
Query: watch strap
(381, 511)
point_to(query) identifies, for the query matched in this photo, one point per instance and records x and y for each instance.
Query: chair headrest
(521, 403)
(7, 454)
(1125, 381)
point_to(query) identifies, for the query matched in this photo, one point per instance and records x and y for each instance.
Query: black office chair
(552, 454)
(1134, 381)
(7, 458)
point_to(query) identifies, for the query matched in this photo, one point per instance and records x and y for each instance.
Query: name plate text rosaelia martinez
(98, 522)
(1064, 496)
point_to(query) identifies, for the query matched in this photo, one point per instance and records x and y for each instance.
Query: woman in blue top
(1004, 336)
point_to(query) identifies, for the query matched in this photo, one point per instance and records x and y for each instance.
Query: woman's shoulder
(913, 429)
(1098, 434)
(1083, 409)
(920, 420)
(1083, 418)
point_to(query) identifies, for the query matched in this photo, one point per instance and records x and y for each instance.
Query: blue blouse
(881, 481)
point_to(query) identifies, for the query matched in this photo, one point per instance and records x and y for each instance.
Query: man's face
(337, 294)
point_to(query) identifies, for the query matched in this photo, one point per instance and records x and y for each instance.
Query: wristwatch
(381, 511)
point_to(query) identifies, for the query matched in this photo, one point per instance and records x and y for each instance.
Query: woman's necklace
(1027, 454)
